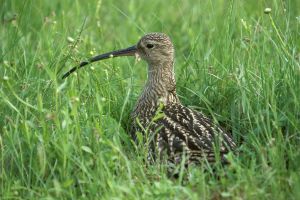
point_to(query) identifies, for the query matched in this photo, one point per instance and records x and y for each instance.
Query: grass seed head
(267, 10)
(70, 39)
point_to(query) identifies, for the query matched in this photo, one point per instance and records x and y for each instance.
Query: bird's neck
(160, 87)
(161, 79)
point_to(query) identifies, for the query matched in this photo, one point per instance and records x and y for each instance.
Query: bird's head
(154, 48)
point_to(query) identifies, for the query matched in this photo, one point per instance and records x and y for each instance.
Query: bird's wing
(185, 130)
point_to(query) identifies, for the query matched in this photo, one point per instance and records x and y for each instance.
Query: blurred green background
(68, 139)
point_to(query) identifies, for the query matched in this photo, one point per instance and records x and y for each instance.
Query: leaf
(87, 149)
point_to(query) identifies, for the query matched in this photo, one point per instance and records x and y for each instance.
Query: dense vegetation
(68, 139)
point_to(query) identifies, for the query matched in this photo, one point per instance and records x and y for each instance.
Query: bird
(172, 131)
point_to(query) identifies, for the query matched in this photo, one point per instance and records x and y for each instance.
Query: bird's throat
(160, 86)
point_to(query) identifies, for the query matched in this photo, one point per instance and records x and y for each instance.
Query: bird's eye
(149, 46)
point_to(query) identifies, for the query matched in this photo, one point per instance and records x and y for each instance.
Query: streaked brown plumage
(178, 129)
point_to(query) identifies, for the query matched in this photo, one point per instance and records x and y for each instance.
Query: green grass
(69, 139)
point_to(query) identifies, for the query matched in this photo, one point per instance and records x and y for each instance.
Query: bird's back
(175, 130)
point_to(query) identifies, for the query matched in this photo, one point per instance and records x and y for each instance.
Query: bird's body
(177, 129)
(171, 128)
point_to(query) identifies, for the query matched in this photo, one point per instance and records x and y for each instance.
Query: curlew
(175, 130)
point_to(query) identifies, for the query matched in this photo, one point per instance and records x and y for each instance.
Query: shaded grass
(68, 139)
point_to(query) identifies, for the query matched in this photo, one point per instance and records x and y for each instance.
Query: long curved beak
(130, 51)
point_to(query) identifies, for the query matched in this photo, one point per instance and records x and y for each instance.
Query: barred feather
(182, 130)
